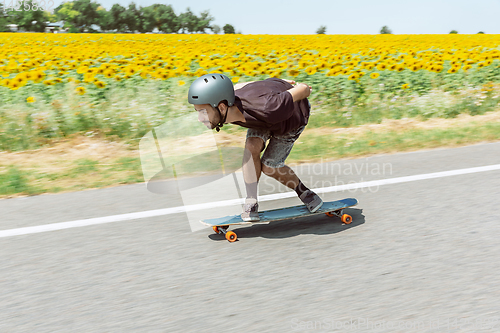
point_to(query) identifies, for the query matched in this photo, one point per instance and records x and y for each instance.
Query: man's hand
(293, 83)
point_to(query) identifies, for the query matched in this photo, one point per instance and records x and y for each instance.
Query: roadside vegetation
(73, 119)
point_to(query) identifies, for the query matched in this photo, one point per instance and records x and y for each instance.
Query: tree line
(385, 30)
(81, 15)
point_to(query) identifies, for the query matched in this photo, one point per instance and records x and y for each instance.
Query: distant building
(93, 27)
(12, 27)
(55, 27)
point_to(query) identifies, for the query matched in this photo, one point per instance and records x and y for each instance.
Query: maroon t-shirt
(266, 105)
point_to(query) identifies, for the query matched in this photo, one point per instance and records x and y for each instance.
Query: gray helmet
(211, 89)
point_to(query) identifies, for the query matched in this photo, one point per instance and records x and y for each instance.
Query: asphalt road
(420, 256)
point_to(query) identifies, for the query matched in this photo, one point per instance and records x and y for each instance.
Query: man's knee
(268, 171)
(254, 145)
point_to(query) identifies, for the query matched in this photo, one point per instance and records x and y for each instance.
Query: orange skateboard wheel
(231, 236)
(216, 229)
(329, 214)
(346, 218)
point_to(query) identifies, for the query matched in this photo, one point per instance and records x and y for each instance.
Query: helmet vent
(206, 81)
(195, 97)
(213, 77)
(222, 77)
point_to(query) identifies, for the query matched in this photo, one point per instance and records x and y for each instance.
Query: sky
(341, 17)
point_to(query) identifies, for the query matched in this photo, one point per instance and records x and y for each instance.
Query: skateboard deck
(330, 208)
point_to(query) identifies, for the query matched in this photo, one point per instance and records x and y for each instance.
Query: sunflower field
(121, 85)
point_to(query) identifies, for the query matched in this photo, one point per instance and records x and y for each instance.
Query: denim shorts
(279, 146)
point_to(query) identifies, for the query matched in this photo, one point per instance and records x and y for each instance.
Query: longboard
(330, 208)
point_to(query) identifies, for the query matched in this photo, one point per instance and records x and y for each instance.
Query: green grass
(16, 180)
(126, 163)
(311, 146)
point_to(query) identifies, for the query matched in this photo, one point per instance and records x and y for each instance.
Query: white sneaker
(312, 201)
(250, 211)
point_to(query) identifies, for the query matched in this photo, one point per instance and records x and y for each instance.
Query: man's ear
(222, 107)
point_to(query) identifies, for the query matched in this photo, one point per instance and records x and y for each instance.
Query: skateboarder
(273, 109)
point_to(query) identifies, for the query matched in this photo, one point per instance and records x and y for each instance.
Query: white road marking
(176, 210)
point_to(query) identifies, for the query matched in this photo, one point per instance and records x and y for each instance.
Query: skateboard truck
(347, 219)
(230, 235)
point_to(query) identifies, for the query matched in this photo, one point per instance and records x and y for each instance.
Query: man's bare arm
(300, 91)
(241, 85)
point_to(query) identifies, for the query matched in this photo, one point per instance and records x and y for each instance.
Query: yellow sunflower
(88, 77)
(82, 70)
(331, 72)
(200, 72)
(20, 79)
(164, 75)
(14, 85)
(293, 72)
(311, 70)
(414, 67)
(80, 90)
(108, 73)
(353, 76)
(100, 84)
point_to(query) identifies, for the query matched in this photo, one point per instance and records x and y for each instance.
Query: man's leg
(251, 174)
(252, 165)
(273, 165)
(285, 175)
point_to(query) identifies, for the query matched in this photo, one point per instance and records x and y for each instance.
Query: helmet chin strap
(221, 123)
